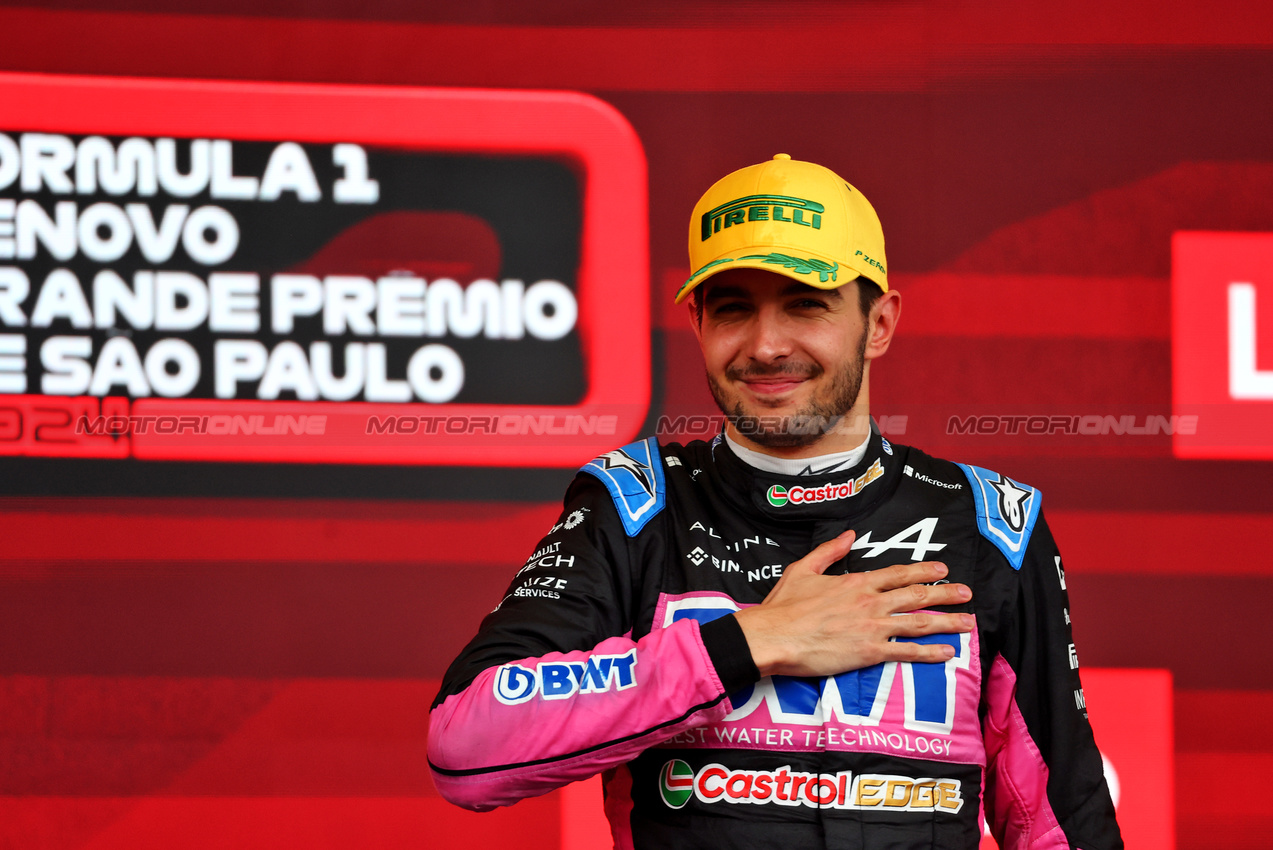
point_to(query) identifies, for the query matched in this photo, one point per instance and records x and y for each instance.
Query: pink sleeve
(1017, 804)
(526, 727)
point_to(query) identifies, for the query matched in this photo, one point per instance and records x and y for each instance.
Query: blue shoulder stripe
(1006, 510)
(634, 477)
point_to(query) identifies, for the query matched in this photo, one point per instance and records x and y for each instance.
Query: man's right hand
(813, 624)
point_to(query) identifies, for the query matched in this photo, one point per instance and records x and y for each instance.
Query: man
(752, 636)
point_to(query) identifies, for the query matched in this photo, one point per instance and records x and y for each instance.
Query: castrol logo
(779, 496)
(715, 783)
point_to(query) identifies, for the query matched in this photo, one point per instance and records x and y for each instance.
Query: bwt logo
(858, 697)
(515, 684)
(1222, 343)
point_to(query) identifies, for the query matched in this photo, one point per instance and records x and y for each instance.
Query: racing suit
(614, 650)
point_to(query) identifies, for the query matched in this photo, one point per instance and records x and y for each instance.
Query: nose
(770, 337)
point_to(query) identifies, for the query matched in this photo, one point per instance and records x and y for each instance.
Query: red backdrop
(244, 654)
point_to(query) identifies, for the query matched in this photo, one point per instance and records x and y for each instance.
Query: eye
(728, 307)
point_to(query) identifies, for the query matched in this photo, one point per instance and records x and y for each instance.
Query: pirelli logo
(763, 208)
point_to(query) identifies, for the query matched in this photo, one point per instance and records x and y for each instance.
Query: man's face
(784, 360)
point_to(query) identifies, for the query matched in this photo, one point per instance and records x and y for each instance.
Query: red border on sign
(613, 280)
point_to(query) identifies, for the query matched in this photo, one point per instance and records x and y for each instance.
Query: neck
(848, 433)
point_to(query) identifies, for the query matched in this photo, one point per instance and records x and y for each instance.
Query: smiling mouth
(771, 382)
(773, 386)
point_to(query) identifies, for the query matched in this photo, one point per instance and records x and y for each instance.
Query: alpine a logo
(785, 787)
(515, 684)
(779, 496)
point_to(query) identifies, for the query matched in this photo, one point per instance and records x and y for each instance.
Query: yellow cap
(786, 216)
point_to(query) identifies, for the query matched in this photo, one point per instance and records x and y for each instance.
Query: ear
(694, 320)
(882, 322)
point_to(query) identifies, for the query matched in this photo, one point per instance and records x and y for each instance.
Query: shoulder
(1006, 510)
(636, 476)
(940, 475)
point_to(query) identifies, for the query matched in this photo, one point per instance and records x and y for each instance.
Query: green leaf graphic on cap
(825, 270)
(676, 783)
(690, 279)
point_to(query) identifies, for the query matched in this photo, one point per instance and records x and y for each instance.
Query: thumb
(828, 553)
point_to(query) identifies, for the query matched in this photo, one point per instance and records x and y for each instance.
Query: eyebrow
(716, 293)
(806, 289)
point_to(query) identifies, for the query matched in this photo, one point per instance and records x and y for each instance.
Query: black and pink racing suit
(615, 651)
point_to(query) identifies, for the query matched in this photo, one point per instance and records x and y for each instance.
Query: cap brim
(817, 271)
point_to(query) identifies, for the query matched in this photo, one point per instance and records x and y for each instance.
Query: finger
(903, 575)
(917, 596)
(826, 554)
(920, 624)
(933, 653)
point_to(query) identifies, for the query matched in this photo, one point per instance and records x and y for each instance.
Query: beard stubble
(808, 424)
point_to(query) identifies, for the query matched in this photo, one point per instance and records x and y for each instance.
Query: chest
(717, 562)
(711, 548)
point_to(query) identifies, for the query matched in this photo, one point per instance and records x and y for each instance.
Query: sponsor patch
(515, 684)
(716, 783)
(784, 208)
(910, 470)
(907, 709)
(918, 539)
(634, 476)
(573, 520)
(676, 783)
(1006, 511)
(779, 495)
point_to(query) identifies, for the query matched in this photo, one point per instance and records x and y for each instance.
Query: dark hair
(868, 293)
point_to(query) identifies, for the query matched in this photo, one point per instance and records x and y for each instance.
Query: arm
(1045, 786)
(553, 688)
